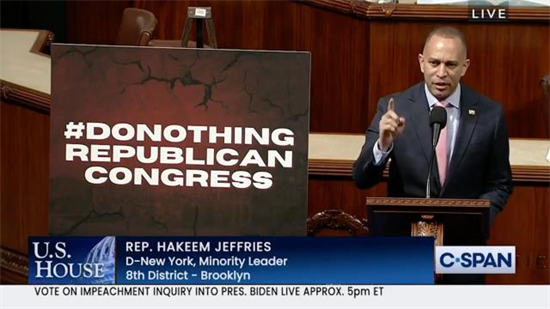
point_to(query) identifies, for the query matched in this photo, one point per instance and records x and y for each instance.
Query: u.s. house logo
(71, 260)
(475, 260)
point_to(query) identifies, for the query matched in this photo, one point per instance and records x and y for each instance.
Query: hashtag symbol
(74, 130)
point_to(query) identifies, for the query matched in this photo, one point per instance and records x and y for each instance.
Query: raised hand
(390, 127)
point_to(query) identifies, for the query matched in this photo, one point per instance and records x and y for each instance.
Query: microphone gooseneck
(438, 121)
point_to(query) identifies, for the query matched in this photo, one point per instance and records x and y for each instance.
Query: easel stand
(201, 15)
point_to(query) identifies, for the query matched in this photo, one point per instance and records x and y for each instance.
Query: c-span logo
(475, 260)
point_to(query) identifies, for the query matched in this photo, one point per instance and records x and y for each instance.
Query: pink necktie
(442, 149)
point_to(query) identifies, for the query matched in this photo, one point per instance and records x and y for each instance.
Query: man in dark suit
(472, 159)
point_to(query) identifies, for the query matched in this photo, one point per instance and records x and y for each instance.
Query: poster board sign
(173, 141)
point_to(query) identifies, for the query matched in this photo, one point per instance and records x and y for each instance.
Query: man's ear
(421, 62)
(466, 66)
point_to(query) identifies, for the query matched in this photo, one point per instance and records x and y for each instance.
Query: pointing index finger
(391, 105)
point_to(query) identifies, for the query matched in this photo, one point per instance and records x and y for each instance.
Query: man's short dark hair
(447, 32)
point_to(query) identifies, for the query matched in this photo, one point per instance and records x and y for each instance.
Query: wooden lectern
(458, 220)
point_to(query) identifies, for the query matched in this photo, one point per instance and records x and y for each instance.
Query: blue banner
(231, 260)
(274, 260)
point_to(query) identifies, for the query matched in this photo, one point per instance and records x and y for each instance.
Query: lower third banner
(236, 260)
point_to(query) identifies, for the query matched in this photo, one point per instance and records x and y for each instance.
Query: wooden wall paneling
(235, 26)
(94, 22)
(392, 65)
(9, 277)
(507, 62)
(357, 54)
(339, 50)
(332, 192)
(525, 223)
(507, 65)
(13, 266)
(338, 44)
(24, 175)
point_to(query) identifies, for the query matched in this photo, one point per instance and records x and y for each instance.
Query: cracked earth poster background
(132, 85)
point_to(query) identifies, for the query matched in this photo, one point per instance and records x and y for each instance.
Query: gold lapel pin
(472, 112)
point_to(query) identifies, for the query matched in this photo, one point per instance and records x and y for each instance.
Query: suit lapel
(419, 117)
(468, 122)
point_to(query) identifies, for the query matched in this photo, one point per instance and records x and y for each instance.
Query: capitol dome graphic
(103, 252)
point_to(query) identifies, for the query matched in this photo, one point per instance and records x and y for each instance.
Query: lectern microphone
(438, 121)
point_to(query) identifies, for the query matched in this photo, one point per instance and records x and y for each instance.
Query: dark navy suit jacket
(479, 167)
